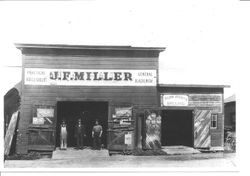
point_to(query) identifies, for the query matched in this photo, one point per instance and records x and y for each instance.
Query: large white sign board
(87, 77)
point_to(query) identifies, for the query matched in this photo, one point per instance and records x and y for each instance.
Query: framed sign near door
(44, 115)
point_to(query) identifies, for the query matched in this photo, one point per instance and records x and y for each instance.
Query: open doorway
(70, 111)
(177, 128)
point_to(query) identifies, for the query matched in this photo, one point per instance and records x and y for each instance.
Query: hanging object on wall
(128, 138)
(152, 130)
(123, 112)
(43, 115)
(38, 121)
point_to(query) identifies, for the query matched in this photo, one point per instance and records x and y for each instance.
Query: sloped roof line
(232, 98)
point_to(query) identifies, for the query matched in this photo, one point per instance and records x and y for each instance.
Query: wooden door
(41, 139)
(121, 129)
(42, 129)
(202, 136)
(152, 129)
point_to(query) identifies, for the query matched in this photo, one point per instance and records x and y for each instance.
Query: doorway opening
(177, 128)
(71, 111)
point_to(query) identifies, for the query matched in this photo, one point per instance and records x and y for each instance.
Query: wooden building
(230, 113)
(118, 85)
(192, 115)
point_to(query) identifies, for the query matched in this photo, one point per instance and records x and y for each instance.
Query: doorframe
(182, 108)
(107, 100)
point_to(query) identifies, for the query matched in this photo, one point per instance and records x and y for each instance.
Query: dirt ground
(216, 160)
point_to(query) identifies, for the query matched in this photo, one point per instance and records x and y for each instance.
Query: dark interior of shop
(177, 128)
(70, 112)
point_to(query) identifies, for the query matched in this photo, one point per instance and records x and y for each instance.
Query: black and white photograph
(123, 85)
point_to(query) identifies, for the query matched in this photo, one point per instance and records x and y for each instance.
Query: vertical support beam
(222, 120)
(138, 130)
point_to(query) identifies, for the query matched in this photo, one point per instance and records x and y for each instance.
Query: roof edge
(93, 47)
(230, 99)
(194, 85)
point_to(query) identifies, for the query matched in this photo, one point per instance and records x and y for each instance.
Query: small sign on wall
(128, 139)
(42, 112)
(38, 120)
(123, 112)
(174, 100)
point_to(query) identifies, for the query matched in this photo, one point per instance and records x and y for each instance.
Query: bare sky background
(201, 37)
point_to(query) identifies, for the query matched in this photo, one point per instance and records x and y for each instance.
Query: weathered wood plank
(202, 136)
(10, 133)
(41, 147)
(43, 89)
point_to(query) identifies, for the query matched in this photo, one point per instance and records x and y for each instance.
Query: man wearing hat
(79, 134)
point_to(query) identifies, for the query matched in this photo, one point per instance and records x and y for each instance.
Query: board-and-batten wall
(204, 99)
(139, 96)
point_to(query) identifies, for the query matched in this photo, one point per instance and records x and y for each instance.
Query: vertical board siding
(137, 96)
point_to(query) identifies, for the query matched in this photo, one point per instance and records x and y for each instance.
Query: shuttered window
(214, 118)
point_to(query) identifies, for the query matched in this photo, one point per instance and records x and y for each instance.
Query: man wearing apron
(63, 136)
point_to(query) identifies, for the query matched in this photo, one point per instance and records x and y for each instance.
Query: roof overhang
(88, 47)
(194, 85)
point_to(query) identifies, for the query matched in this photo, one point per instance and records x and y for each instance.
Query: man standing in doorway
(79, 134)
(96, 135)
(63, 136)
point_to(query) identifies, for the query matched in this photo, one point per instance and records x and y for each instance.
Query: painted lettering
(66, 75)
(96, 77)
(128, 76)
(53, 75)
(79, 75)
(106, 78)
(88, 76)
(82, 77)
(117, 76)
(145, 74)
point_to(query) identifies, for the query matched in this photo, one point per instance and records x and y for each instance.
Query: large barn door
(152, 130)
(42, 130)
(202, 136)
